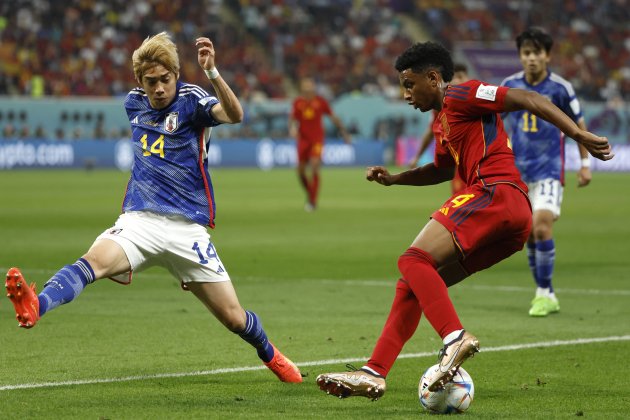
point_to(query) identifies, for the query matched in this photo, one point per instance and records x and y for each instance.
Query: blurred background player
(306, 126)
(168, 203)
(482, 225)
(460, 76)
(539, 152)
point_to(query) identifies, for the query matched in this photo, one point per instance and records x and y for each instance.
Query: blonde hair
(157, 49)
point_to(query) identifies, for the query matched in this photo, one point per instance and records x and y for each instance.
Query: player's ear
(434, 78)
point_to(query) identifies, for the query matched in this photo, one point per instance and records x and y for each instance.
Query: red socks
(420, 271)
(314, 189)
(401, 323)
(311, 187)
(304, 182)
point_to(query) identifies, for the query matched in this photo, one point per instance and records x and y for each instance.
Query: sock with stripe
(401, 323)
(545, 259)
(420, 270)
(255, 335)
(531, 259)
(65, 285)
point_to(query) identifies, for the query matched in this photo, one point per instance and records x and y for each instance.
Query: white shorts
(182, 247)
(546, 195)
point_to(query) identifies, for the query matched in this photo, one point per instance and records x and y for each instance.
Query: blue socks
(545, 259)
(256, 336)
(531, 259)
(66, 285)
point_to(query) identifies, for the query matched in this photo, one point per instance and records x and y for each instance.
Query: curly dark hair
(537, 36)
(423, 56)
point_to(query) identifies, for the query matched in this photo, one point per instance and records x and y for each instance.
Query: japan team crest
(170, 122)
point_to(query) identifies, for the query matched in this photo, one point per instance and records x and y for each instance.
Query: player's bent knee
(233, 319)
(414, 256)
(542, 232)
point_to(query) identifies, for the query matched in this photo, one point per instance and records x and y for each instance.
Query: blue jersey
(539, 145)
(170, 167)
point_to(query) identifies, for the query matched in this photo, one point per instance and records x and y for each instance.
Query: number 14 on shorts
(210, 254)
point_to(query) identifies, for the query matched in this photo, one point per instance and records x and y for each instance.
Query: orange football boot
(23, 297)
(284, 368)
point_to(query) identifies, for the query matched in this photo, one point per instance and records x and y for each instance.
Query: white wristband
(212, 73)
(586, 163)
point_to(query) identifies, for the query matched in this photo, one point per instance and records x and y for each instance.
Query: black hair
(537, 36)
(423, 56)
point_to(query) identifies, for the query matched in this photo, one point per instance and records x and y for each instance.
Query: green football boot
(543, 306)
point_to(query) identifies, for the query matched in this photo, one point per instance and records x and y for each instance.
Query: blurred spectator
(25, 132)
(40, 133)
(81, 47)
(60, 135)
(344, 45)
(9, 132)
(592, 38)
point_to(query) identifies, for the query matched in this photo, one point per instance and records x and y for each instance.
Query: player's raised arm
(517, 99)
(229, 109)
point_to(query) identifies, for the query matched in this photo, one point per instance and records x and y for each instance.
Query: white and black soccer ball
(456, 396)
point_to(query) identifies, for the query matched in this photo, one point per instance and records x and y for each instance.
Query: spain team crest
(170, 122)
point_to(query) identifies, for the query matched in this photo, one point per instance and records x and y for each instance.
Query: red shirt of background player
(309, 113)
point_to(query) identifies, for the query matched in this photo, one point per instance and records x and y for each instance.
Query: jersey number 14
(157, 147)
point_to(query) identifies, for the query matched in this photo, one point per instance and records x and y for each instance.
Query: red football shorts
(309, 149)
(488, 224)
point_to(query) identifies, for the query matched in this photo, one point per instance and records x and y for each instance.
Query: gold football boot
(451, 357)
(355, 383)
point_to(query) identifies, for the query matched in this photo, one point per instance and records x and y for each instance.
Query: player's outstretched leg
(23, 297)
(278, 363)
(451, 356)
(355, 383)
(283, 368)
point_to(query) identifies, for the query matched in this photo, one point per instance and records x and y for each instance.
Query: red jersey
(309, 113)
(469, 133)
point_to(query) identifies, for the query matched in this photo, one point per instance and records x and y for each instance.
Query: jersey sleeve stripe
(489, 122)
(564, 83)
(454, 96)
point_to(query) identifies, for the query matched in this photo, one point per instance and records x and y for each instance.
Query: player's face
(307, 86)
(421, 90)
(533, 59)
(160, 86)
(459, 77)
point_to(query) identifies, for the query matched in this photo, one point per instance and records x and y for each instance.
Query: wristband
(212, 73)
(586, 163)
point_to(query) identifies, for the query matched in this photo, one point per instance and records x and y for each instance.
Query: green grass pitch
(322, 283)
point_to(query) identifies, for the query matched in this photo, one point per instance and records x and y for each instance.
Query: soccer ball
(454, 398)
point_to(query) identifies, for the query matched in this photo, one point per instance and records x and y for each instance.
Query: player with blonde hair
(169, 202)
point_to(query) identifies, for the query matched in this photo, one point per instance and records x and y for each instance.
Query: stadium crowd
(592, 37)
(82, 47)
